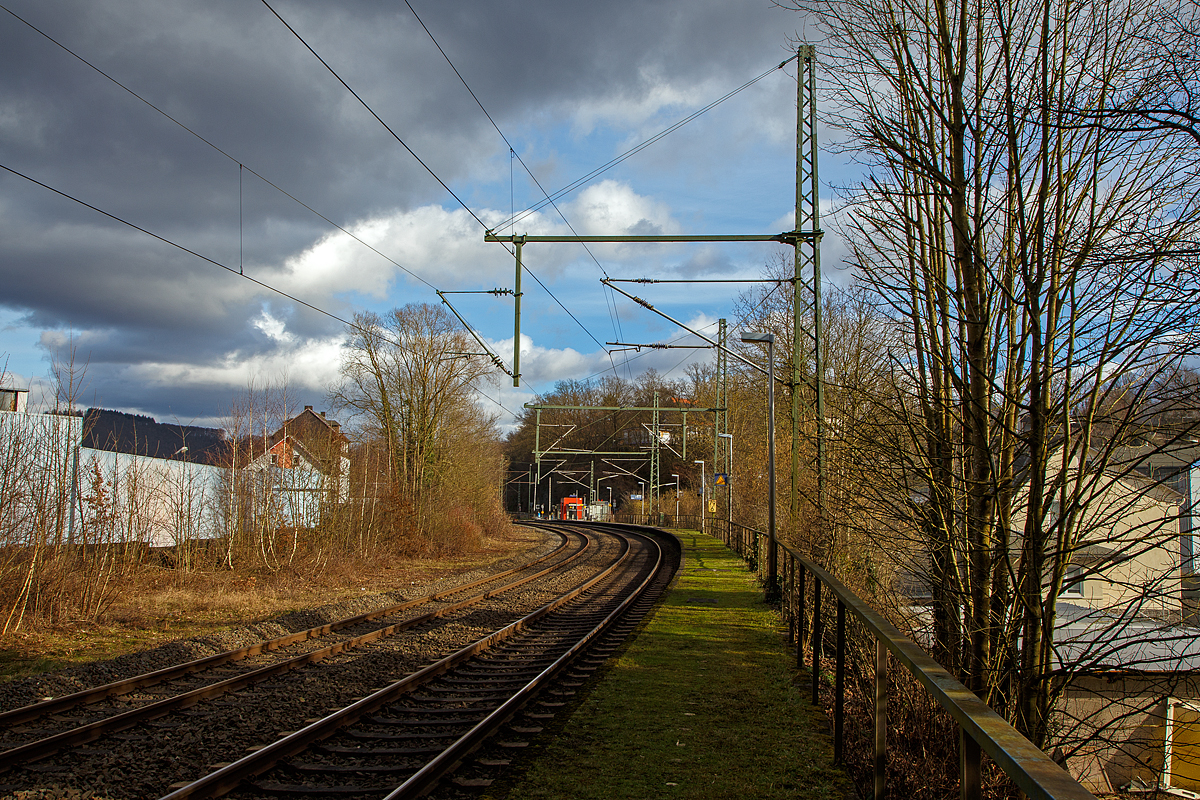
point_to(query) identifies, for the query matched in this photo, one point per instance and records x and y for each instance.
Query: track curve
(469, 625)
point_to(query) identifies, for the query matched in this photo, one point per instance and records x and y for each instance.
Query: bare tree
(1036, 258)
(408, 378)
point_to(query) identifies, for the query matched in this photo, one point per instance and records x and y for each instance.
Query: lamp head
(758, 338)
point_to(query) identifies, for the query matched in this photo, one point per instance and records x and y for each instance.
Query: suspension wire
(262, 284)
(200, 256)
(241, 167)
(740, 320)
(609, 296)
(215, 147)
(241, 225)
(241, 270)
(371, 111)
(611, 301)
(428, 169)
(643, 145)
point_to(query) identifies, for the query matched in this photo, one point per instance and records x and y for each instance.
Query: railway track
(452, 655)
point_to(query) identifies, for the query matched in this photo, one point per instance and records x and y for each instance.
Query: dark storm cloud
(234, 74)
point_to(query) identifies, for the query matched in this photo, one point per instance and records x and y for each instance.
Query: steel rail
(445, 761)
(230, 776)
(83, 734)
(95, 694)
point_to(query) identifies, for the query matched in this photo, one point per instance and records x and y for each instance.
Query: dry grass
(159, 604)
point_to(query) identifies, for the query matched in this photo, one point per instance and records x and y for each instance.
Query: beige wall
(1111, 728)
(1128, 545)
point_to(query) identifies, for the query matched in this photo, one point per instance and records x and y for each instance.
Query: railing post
(801, 608)
(968, 766)
(816, 642)
(794, 600)
(881, 666)
(789, 583)
(839, 684)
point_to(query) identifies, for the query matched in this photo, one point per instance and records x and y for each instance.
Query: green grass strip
(703, 704)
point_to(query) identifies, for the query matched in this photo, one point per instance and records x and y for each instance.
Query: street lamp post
(772, 554)
(728, 437)
(702, 492)
(676, 477)
(610, 507)
(642, 494)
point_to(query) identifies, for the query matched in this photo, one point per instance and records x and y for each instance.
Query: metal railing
(664, 520)
(981, 729)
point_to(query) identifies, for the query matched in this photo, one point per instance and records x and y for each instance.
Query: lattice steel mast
(807, 259)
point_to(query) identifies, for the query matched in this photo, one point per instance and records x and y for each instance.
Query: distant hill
(137, 434)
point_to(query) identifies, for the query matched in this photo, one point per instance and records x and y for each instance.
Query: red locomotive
(571, 508)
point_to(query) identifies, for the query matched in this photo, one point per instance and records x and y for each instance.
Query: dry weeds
(160, 604)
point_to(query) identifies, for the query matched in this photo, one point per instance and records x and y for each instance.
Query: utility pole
(807, 257)
(655, 454)
(518, 241)
(684, 433)
(721, 423)
(537, 456)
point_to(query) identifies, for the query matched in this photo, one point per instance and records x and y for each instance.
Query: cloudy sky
(571, 86)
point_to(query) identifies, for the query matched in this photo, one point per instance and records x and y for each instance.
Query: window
(1073, 582)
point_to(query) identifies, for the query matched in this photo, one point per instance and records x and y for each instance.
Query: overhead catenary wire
(189, 251)
(703, 280)
(641, 146)
(241, 167)
(217, 148)
(241, 274)
(741, 320)
(371, 111)
(609, 297)
(550, 199)
(427, 168)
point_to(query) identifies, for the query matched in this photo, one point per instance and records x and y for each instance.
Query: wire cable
(610, 300)
(241, 167)
(428, 169)
(217, 148)
(371, 111)
(187, 250)
(263, 284)
(641, 146)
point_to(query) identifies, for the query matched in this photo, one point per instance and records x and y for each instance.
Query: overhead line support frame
(808, 214)
(518, 242)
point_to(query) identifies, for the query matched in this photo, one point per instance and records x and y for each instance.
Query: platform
(702, 704)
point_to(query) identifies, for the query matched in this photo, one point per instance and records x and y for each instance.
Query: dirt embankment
(196, 610)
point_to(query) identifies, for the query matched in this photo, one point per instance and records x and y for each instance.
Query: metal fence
(662, 520)
(806, 588)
